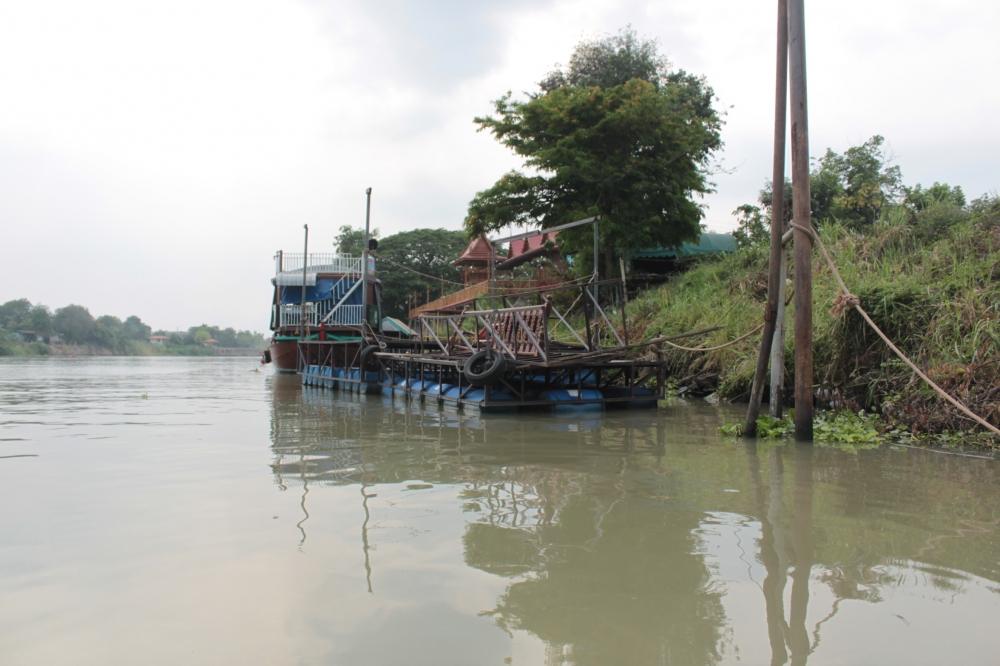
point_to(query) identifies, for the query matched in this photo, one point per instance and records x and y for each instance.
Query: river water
(198, 511)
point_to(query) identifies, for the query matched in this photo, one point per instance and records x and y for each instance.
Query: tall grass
(930, 280)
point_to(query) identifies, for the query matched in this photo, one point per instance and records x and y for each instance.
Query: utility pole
(364, 256)
(801, 222)
(775, 275)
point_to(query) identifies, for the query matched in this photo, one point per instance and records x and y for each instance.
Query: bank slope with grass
(930, 280)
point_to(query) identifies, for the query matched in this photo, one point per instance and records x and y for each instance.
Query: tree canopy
(616, 134)
(351, 241)
(429, 252)
(20, 321)
(856, 187)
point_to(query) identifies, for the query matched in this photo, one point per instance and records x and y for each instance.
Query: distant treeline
(34, 329)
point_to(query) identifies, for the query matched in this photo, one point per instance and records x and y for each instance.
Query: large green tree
(415, 262)
(617, 134)
(75, 324)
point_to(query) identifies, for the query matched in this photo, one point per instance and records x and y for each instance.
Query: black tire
(366, 358)
(484, 368)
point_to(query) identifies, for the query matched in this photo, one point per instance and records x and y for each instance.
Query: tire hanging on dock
(367, 357)
(484, 368)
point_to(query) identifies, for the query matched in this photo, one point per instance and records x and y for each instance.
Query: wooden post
(621, 265)
(778, 344)
(774, 276)
(800, 217)
(597, 265)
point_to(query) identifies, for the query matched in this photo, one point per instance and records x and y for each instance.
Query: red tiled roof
(479, 251)
(530, 243)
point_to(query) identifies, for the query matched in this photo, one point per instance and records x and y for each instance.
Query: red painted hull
(285, 355)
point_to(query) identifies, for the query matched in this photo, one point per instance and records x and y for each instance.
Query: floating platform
(493, 360)
(610, 384)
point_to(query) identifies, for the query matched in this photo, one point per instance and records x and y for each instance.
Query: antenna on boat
(364, 257)
(302, 303)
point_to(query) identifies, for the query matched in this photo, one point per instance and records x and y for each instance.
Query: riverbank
(928, 280)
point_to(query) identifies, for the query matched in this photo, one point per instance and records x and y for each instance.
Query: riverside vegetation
(28, 329)
(926, 271)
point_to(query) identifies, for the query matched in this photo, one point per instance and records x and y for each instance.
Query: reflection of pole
(302, 503)
(364, 538)
(777, 221)
(774, 582)
(798, 638)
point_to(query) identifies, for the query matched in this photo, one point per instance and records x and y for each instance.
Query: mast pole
(302, 301)
(364, 256)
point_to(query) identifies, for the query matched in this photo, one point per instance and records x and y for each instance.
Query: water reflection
(631, 538)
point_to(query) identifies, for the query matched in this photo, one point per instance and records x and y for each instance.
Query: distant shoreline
(62, 350)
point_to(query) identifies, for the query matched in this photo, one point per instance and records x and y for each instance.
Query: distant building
(158, 339)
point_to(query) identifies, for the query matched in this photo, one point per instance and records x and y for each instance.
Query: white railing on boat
(318, 262)
(290, 314)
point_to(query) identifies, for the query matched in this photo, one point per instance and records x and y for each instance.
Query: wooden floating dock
(493, 360)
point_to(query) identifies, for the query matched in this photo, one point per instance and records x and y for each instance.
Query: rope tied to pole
(845, 299)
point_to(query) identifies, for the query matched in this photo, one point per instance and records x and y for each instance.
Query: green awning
(709, 243)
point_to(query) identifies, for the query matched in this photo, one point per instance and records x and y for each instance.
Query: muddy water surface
(165, 511)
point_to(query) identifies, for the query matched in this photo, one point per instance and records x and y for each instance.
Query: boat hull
(285, 355)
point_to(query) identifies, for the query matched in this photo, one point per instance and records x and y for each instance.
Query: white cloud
(154, 155)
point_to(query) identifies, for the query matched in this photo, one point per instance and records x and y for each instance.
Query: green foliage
(829, 427)
(843, 427)
(753, 223)
(75, 325)
(27, 329)
(853, 188)
(936, 294)
(351, 241)
(610, 62)
(917, 198)
(427, 251)
(634, 151)
(752, 227)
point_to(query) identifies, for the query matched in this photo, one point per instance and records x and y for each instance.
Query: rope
(846, 299)
(426, 275)
(746, 335)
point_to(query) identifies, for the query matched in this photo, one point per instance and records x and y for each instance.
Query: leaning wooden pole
(800, 221)
(774, 274)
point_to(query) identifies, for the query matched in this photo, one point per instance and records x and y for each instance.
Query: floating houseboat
(318, 298)
(498, 343)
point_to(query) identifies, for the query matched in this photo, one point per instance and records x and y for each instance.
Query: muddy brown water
(168, 510)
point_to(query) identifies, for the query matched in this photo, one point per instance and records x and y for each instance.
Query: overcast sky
(154, 155)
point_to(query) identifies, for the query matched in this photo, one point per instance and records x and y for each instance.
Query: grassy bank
(930, 280)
